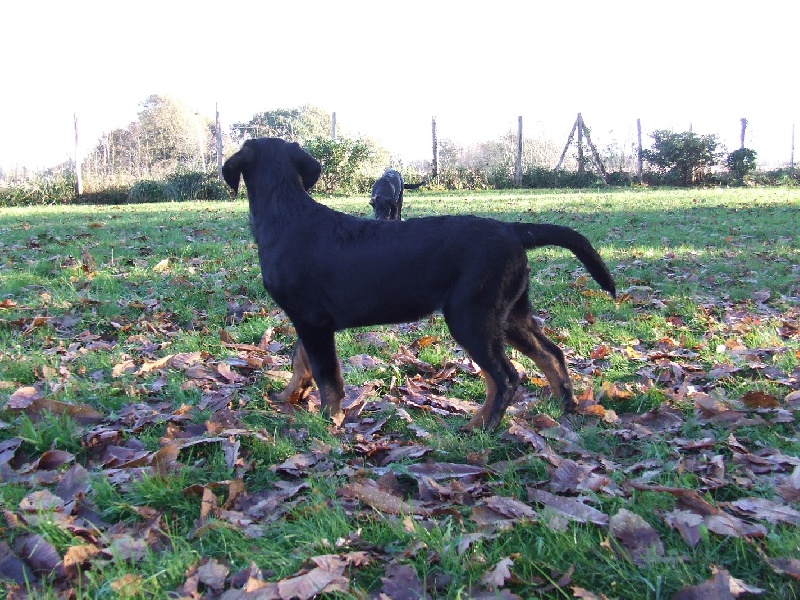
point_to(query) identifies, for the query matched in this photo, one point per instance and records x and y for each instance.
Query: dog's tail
(535, 235)
(413, 186)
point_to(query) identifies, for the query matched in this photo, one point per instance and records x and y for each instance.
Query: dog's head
(271, 159)
(383, 207)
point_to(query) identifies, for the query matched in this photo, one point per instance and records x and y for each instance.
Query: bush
(193, 185)
(148, 190)
(186, 185)
(52, 187)
(741, 163)
(540, 177)
(682, 158)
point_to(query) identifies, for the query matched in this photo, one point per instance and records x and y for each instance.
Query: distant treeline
(171, 154)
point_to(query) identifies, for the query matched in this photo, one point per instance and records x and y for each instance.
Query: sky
(386, 69)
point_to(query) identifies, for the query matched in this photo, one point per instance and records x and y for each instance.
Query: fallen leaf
(382, 501)
(572, 508)
(755, 399)
(400, 582)
(498, 576)
(767, 510)
(212, 574)
(721, 586)
(23, 397)
(636, 536)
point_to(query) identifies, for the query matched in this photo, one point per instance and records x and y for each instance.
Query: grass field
(141, 454)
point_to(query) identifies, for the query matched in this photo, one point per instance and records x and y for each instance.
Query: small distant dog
(387, 195)
(331, 271)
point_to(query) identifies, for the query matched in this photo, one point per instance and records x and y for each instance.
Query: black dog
(386, 198)
(327, 270)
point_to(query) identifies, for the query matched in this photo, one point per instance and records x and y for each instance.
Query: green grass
(89, 296)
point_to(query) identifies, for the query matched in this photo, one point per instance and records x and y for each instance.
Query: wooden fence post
(218, 142)
(518, 162)
(435, 161)
(579, 121)
(566, 146)
(78, 177)
(744, 127)
(639, 155)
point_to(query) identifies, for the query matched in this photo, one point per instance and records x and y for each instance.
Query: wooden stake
(639, 155)
(566, 146)
(518, 162)
(580, 144)
(435, 161)
(744, 127)
(78, 177)
(218, 136)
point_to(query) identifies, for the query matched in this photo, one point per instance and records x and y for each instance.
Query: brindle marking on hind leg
(301, 382)
(525, 334)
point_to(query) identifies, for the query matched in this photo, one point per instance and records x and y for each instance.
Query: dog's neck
(277, 203)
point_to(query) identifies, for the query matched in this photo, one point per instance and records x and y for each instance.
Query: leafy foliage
(292, 124)
(54, 186)
(684, 157)
(741, 162)
(342, 159)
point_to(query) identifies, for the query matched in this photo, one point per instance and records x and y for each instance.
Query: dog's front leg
(301, 381)
(320, 348)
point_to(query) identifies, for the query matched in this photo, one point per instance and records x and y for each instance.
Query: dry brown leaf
(754, 399)
(42, 500)
(636, 536)
(688, 525)
(212, 574)
(511, 508)
(126, 366)
(785, 566)
(13, 568)
(721, 586)
(23, 397)
(446, 470)
(382, 501)
(400, 582)
(579, 592)
(128, 585)
(39, 554)
(767, 510)
(316, 581)
(498, 576)
(570, 507)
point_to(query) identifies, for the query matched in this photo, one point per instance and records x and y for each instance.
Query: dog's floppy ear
(234, 166)
(307, 166)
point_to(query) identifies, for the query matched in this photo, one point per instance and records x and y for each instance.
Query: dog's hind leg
(301, 381)
(525, 334)
(320, 349)
(482, 339)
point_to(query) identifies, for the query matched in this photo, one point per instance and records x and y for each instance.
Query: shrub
(51, 187)
(682, 157)
(149, 190)
(741, 163)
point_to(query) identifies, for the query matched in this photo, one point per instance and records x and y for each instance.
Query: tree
(741, 163)
(292, 124)
(683, 157)
(171, 135)
(341, 161)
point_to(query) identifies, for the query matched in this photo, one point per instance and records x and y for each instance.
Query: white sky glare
(387, 68)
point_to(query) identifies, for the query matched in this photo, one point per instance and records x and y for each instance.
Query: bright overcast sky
(387, 68)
